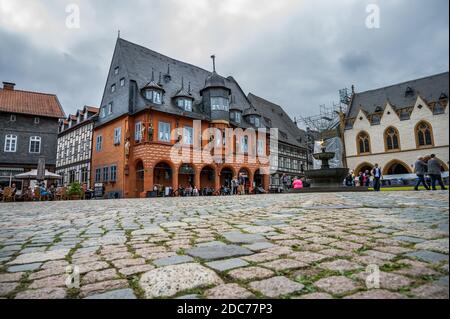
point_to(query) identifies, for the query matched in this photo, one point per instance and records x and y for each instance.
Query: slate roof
(279, 119)
(140, 61)
(429, 88)
(33, 103)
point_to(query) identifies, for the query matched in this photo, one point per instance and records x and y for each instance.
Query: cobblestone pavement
(276, 246)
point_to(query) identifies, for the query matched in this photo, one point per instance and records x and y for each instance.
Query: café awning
(33, 175)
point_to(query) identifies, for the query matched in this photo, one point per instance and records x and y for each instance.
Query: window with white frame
(260, 147)
(138, 131)
(12, 118)
(122, 82)
(113, 173)
(36, 120)
(35, 144)
(164, 131)
(11, 143)
(116, 70)
(257, 122)
(219, 104)
(102, 112)
(117, 135)
(156, 97)
(113, 88)
(237, 117)
(244, 144)
(188, 135)
(99, 144)
(110, 108)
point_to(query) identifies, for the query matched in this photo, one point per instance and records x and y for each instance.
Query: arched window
(392, 139)
(424, 134)
(363, 143)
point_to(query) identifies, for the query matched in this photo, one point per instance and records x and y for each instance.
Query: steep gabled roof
(140, 61)
(33, 103)
(401, 95)
(279, 119)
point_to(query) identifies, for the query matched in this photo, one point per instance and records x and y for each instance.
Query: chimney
(9, 86)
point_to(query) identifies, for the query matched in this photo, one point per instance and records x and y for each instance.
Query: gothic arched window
(363, 143)
(392, 139)
(424, 134)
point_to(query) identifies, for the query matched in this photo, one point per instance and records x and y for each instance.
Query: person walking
(376, 173)
(234, 185)
(420, 168)
(241, 184)
(298, 183)
(434, 170)
(367, 178)
(284, 182)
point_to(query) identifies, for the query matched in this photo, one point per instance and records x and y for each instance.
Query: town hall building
(394, 125)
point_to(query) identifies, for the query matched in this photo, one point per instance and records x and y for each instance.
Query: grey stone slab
(114, 294)
(173, 260)
(409, 239)
(259, 246)
(218, 252)
(227, 264)
(211, 243)
(241, 238)
(428, 256)
(24, 267)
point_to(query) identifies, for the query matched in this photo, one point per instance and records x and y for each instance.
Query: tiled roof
(279, 119)
(429, 88)
(33, 103)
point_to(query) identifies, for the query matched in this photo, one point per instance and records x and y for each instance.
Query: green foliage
(75, 189)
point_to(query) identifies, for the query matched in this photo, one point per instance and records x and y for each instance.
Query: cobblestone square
(296, 246)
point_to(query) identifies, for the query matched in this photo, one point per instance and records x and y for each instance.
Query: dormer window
(257, 122)
(236, 117)
(154, 96)
(116, 71)
(185, 104)
(220, 104)
(409, 92)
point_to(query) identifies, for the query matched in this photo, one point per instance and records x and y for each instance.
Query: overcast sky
(296, 53)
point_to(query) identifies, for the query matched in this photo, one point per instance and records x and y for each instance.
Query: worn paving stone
(138, 269)
(115, 294)
(170, 280)
(276, 286)
(249, 273)
(438, 245)
(389, 281)
(376, 294)
(428, 256)
(227, 264)
(96, 276)
(430, 291)
(337, 285)
(31, 258)
(379, 255)
(173, 260)
(228, 291)
(340, 265)
(7, 287)
(241, 238)
(45, 293)
(308, 257)
(218, 252)
(259, 246)
(284, 264)
(103, 286)
(11, 277)
(26, 267)
(316, 296)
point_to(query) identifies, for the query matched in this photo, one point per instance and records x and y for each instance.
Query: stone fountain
(326, 177)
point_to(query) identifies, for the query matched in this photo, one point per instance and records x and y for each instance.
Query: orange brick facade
(149, 162)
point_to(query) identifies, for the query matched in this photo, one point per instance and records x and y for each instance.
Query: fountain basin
(327, 177)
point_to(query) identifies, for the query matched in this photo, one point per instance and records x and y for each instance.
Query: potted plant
(75, 191)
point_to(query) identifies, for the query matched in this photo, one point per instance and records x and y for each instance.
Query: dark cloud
(296, 53)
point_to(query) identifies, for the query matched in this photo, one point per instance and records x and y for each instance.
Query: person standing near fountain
(376, 172)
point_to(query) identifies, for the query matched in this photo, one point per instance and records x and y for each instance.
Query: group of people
(365, 179)
(430, 166)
